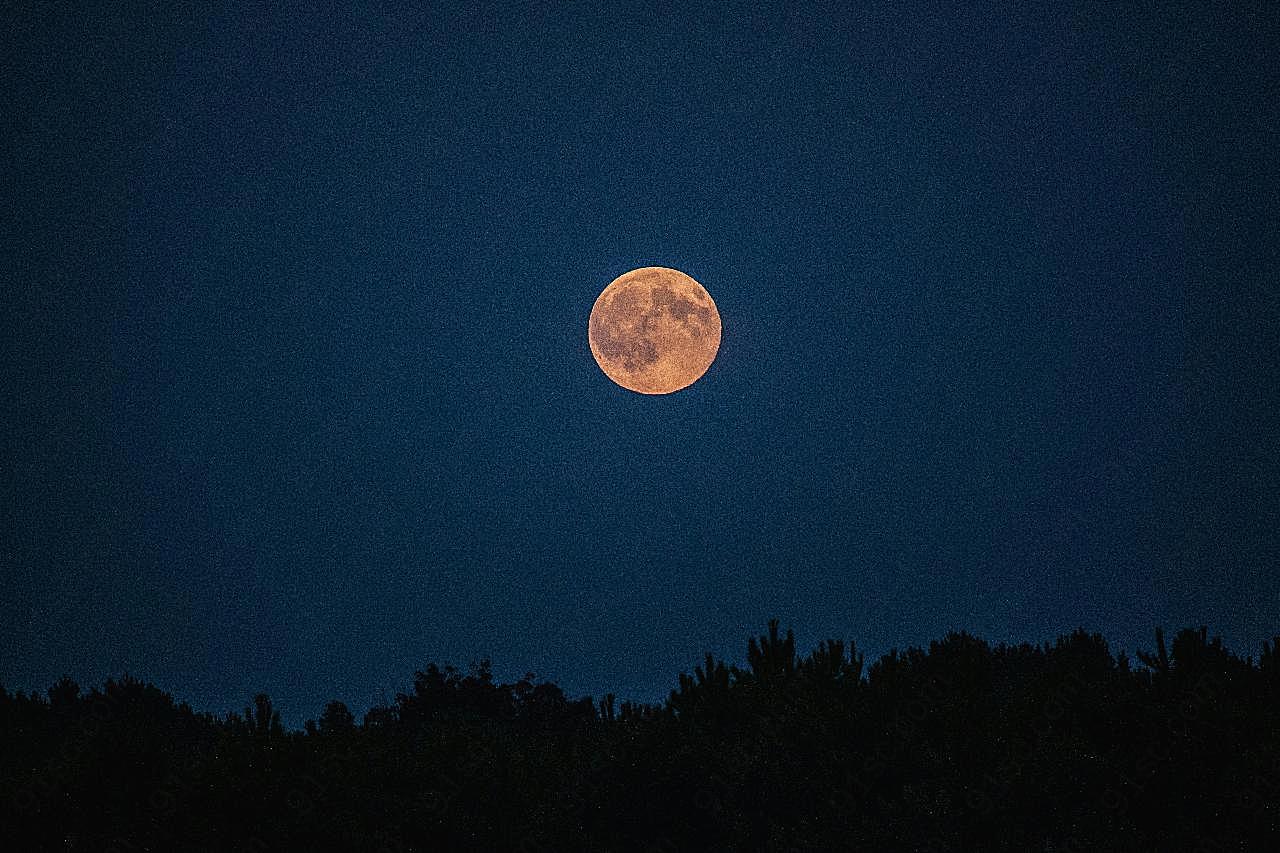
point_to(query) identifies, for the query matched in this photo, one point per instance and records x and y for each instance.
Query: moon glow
(654, 330)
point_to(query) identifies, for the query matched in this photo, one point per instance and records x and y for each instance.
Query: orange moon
(654, 330)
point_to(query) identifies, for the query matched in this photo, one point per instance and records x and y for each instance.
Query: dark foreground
(960, 747)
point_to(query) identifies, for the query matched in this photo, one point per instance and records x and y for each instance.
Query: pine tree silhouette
(772, 658)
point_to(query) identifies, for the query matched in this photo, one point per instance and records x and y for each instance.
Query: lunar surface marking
(654, 330)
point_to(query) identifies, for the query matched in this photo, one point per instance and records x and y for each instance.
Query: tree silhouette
(959, 745)
(772, 658)
(1158, 662)
(262, 721)
(337, 719)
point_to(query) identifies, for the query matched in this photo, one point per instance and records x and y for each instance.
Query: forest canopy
(961, 745)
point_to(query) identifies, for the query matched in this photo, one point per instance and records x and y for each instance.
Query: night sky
(297, 395)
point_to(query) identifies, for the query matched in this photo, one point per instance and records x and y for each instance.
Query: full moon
(654, 330)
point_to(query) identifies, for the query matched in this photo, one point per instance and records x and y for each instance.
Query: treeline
(961, 746)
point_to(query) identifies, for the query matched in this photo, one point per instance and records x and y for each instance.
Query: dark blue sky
(297, 395)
